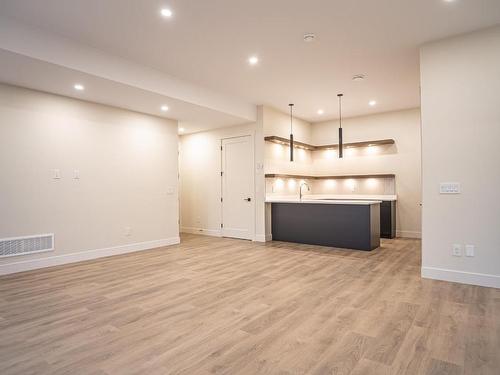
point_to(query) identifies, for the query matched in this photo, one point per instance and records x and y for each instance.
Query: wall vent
(26, 245)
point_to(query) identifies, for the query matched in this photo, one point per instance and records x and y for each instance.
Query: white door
(237, 188)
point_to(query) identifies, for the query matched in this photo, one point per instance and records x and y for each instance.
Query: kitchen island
(351, 224)
(387, 209)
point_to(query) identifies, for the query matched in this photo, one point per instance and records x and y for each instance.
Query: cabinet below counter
(387, 207)
(347, 224)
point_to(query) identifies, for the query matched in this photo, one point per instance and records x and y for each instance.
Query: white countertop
(353, 197)
(322, 201)
(350, 197)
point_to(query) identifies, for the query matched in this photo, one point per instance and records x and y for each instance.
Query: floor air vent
(26, 245)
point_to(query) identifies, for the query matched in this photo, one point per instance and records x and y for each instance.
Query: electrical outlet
(127, 231)
(457, 250)
(351, 185)
(469, 250)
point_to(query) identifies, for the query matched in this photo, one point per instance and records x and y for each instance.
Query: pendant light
(291, 131)
(341, 146)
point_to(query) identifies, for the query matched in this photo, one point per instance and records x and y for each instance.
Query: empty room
(249, 187)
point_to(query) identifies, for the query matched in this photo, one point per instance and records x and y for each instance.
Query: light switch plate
(449, 188)
(170, 190)
(469, 250)
(76, 174)
(56, 174)
(457, 250)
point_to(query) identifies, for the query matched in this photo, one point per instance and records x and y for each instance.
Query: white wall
(460, 80)
(402, 159)
(200, 166)
(277, 157)
(127, 162)
(278, 123)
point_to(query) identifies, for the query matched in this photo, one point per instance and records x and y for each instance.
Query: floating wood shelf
(275, 175)
(378, 142)
(286, 142)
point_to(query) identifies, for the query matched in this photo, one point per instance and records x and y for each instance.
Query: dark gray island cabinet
(344, 224)
(388, 219)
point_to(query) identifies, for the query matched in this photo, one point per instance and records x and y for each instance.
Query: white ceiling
(23, 71)
(208, 42)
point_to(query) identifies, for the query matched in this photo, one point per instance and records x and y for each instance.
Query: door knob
(247, 199)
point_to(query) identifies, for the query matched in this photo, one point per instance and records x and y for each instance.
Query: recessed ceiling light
(164, 108)
(181, 130)
(253, 60)
(165, 12)
(372, 103)
(358, 78)
(449, 1)
(79, 87)
(320, 111)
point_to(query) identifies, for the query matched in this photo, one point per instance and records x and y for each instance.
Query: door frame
(252, 142)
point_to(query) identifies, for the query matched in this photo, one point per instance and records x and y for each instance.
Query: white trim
(464, 277)
(27, 265)
(203, 231)
(28, 253)
(263, 237)
(408, 234)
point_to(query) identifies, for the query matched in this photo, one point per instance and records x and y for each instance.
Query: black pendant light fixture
(291, 131)
(341, 146)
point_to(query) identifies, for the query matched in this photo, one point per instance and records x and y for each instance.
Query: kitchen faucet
(300, 189)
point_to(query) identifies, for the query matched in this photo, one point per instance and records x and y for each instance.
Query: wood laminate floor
(223, 306)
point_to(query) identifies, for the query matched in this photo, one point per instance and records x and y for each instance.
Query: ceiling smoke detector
(309, 37)
(358, 78)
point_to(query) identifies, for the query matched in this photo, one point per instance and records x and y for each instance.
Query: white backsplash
(339, 186)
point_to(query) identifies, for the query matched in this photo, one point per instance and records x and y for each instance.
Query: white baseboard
(408, 234)
(263, 237)
(56, 260)
(463, 277)
(206, 232)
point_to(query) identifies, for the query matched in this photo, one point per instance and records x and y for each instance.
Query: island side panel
(335, 225)
(375, 225)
